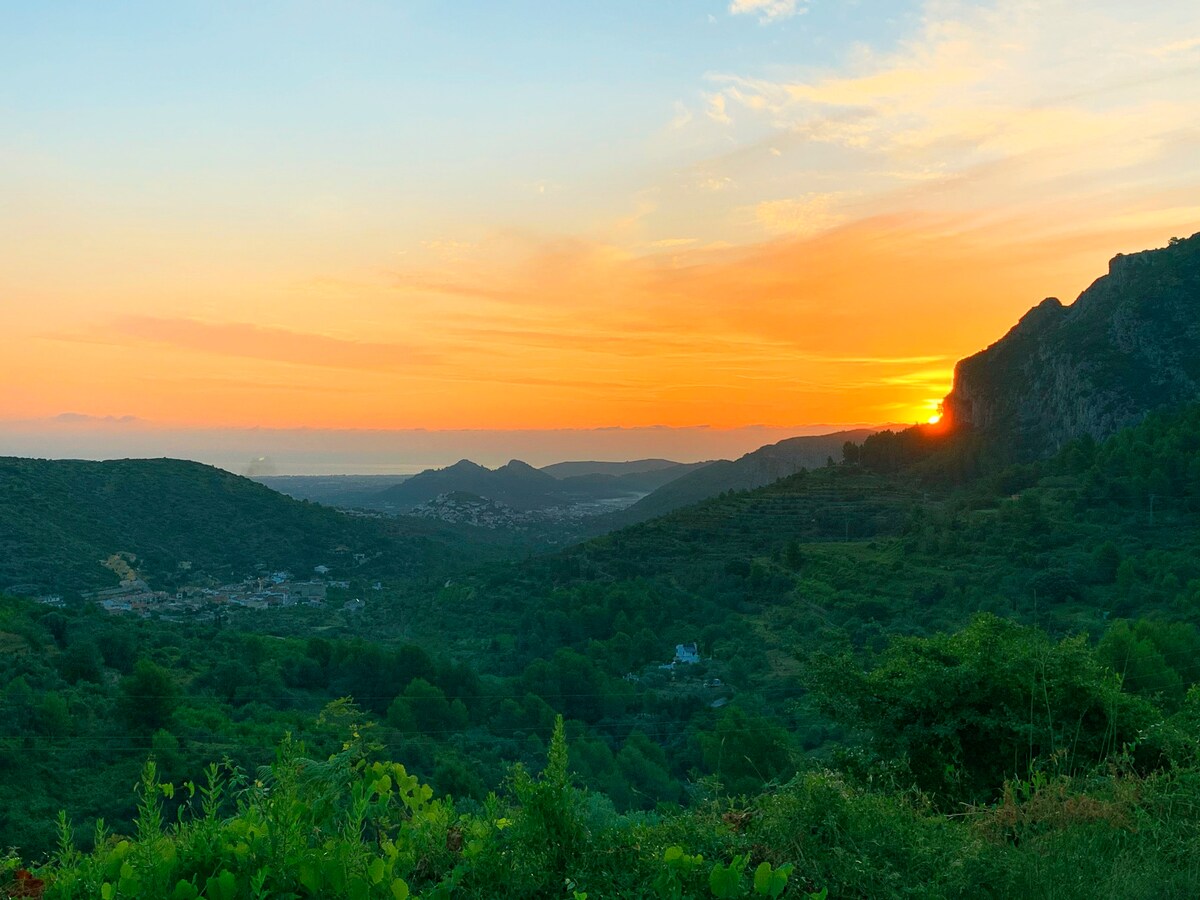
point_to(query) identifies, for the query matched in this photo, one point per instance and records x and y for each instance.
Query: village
(276, 590)
(463, 508)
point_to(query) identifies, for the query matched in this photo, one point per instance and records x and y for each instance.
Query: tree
(53, 716)
(1107, 560)
(118, 646)
(148, 697)
(17, 705)
(644, 767)
(793, 556)
(228, 676)
(746, 751)
(970, 709)
(1152, 657)
(56, 624)
(164, 747)
(424, 709)
(82, 662)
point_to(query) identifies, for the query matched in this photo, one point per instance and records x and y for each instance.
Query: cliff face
(1129, 344)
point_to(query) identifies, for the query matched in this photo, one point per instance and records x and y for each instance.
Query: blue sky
(432, 101)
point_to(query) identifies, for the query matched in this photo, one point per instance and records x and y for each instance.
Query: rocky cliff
(1129, 344)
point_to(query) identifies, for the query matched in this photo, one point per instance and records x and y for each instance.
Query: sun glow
(932, 413)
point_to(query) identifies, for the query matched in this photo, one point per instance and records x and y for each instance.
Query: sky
(357, 217)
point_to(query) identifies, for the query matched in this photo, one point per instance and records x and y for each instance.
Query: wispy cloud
(448, 248)
(681, 116)
(932, 378)
(1010, 80)
(1178, 48)
(789, 242)
(714, 183)
(240, 339)
(716, 109)
(84, 419)
(810, 214)
(768, 10)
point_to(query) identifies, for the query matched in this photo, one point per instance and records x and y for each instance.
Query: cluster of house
(132, 596)
(268, 592)
(461, 508)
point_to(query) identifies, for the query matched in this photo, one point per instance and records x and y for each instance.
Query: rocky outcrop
(1129, 344)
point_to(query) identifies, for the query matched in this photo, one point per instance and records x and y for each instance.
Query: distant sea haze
(304, 451)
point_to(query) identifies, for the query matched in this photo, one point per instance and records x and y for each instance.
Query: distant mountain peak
(517, 484)
(518, 465)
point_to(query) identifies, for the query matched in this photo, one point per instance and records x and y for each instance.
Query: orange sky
(787, 243)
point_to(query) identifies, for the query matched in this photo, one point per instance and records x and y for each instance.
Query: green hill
(61, 519)
(925, 687)
(754, 469)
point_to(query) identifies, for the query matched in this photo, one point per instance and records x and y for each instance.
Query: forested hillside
(60, 520)
(754, 469)
(910, 683)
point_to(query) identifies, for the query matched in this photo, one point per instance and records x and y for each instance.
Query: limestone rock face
(1129, 344)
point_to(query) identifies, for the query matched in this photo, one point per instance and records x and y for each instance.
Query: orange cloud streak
(859, 324)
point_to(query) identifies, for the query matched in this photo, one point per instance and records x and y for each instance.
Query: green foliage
(353, 826)
(770, 882)
(966, 710)
(678, 873)
(746, 751)
(915, 682)
(726, 880)
(424, 707)
(549, 824)
(1153, 658)
(59, 518)
(148, 697)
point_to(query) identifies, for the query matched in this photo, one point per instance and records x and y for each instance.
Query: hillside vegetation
(754, 469)
(61, 519)
(894, 650)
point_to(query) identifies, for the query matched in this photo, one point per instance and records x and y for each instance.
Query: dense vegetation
(183, 521)
(922, 674)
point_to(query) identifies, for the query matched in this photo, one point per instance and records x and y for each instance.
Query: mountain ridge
(573, 468)
(1130, 343)
(751, 470)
